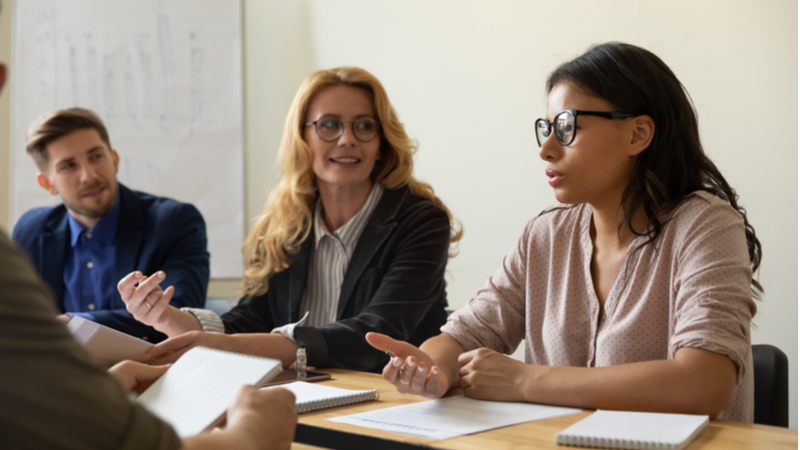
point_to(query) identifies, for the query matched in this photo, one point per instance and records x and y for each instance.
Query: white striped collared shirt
(329, 261)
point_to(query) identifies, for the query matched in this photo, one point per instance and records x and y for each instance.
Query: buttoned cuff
(209, 320)
(288, 330)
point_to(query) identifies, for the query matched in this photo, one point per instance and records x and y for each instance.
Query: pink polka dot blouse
(690, 289)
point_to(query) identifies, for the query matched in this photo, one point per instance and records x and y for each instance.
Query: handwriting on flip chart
(165, 78)
(74, 68)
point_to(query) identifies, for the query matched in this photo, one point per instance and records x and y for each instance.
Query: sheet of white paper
(453, 416)
(106, 345)
(165, 77)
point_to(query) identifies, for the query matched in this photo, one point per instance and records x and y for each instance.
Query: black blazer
(154, 233)
(394, 285)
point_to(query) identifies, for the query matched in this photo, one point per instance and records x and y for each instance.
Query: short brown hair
(56, 125)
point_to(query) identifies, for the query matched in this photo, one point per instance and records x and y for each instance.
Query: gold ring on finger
(400, 371)
(149, 306)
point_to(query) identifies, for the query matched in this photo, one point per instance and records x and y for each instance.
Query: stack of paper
(453, 416)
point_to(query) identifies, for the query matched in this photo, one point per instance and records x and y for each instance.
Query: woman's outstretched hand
(411, 370)
(149, 304)
(145, 300)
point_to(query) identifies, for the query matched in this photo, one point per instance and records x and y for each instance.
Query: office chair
(771, 375)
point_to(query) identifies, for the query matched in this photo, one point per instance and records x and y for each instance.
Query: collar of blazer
(378, 228)
(130, 237)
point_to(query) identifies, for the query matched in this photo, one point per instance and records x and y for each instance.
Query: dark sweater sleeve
(53, 395)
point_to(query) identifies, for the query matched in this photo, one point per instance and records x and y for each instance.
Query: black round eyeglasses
(564, 124)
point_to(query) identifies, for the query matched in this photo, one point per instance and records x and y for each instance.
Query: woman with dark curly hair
(637, 293)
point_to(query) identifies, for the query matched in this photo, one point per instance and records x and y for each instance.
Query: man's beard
(96, 212)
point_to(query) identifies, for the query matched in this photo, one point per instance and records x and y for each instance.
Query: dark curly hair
(674, 165)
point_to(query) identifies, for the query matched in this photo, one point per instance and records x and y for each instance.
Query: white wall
(467, 78)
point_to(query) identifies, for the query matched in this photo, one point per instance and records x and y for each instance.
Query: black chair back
(771, 375)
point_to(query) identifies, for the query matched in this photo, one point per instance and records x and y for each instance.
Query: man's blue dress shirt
(89, 267)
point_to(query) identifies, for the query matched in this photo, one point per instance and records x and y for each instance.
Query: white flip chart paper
(165, 77)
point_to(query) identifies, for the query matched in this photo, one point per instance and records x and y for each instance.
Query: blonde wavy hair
(285, 222)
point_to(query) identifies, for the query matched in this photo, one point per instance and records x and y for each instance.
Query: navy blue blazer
(394, 285)
(154, 233)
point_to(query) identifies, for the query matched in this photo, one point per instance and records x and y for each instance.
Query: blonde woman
(348, 242)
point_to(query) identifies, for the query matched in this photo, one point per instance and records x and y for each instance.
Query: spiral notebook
(634, 430)
(195, 392)
(312, 396)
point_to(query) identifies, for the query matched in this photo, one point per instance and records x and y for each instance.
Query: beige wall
(467, 79)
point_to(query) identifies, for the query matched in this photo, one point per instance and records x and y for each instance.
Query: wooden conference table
(315, 432)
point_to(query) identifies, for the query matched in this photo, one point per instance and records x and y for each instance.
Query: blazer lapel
(298, 276)
(378, 228)
(53, 251)
(130, 232)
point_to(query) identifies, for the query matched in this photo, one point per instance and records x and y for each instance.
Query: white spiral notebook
(634, 430)
(314, 396)
(195, 392)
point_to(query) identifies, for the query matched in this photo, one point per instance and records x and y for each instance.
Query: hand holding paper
(173, 348)
(267, 416)
(195, 392)
(137, 377)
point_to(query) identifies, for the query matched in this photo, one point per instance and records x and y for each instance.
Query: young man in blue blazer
(103, 231)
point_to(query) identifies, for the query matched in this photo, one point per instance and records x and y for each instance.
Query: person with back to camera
(348, 242)
(54, 396)
(637, 293)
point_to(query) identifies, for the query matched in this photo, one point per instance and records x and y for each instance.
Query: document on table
(453, 416)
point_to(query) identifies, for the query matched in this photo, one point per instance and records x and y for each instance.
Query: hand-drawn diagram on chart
(165, 77)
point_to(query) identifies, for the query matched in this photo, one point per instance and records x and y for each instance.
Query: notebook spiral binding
(339, 400)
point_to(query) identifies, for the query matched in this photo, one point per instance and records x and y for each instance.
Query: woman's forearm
(444, 350)
(695, 382)
(270, 345)
(179, 322)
